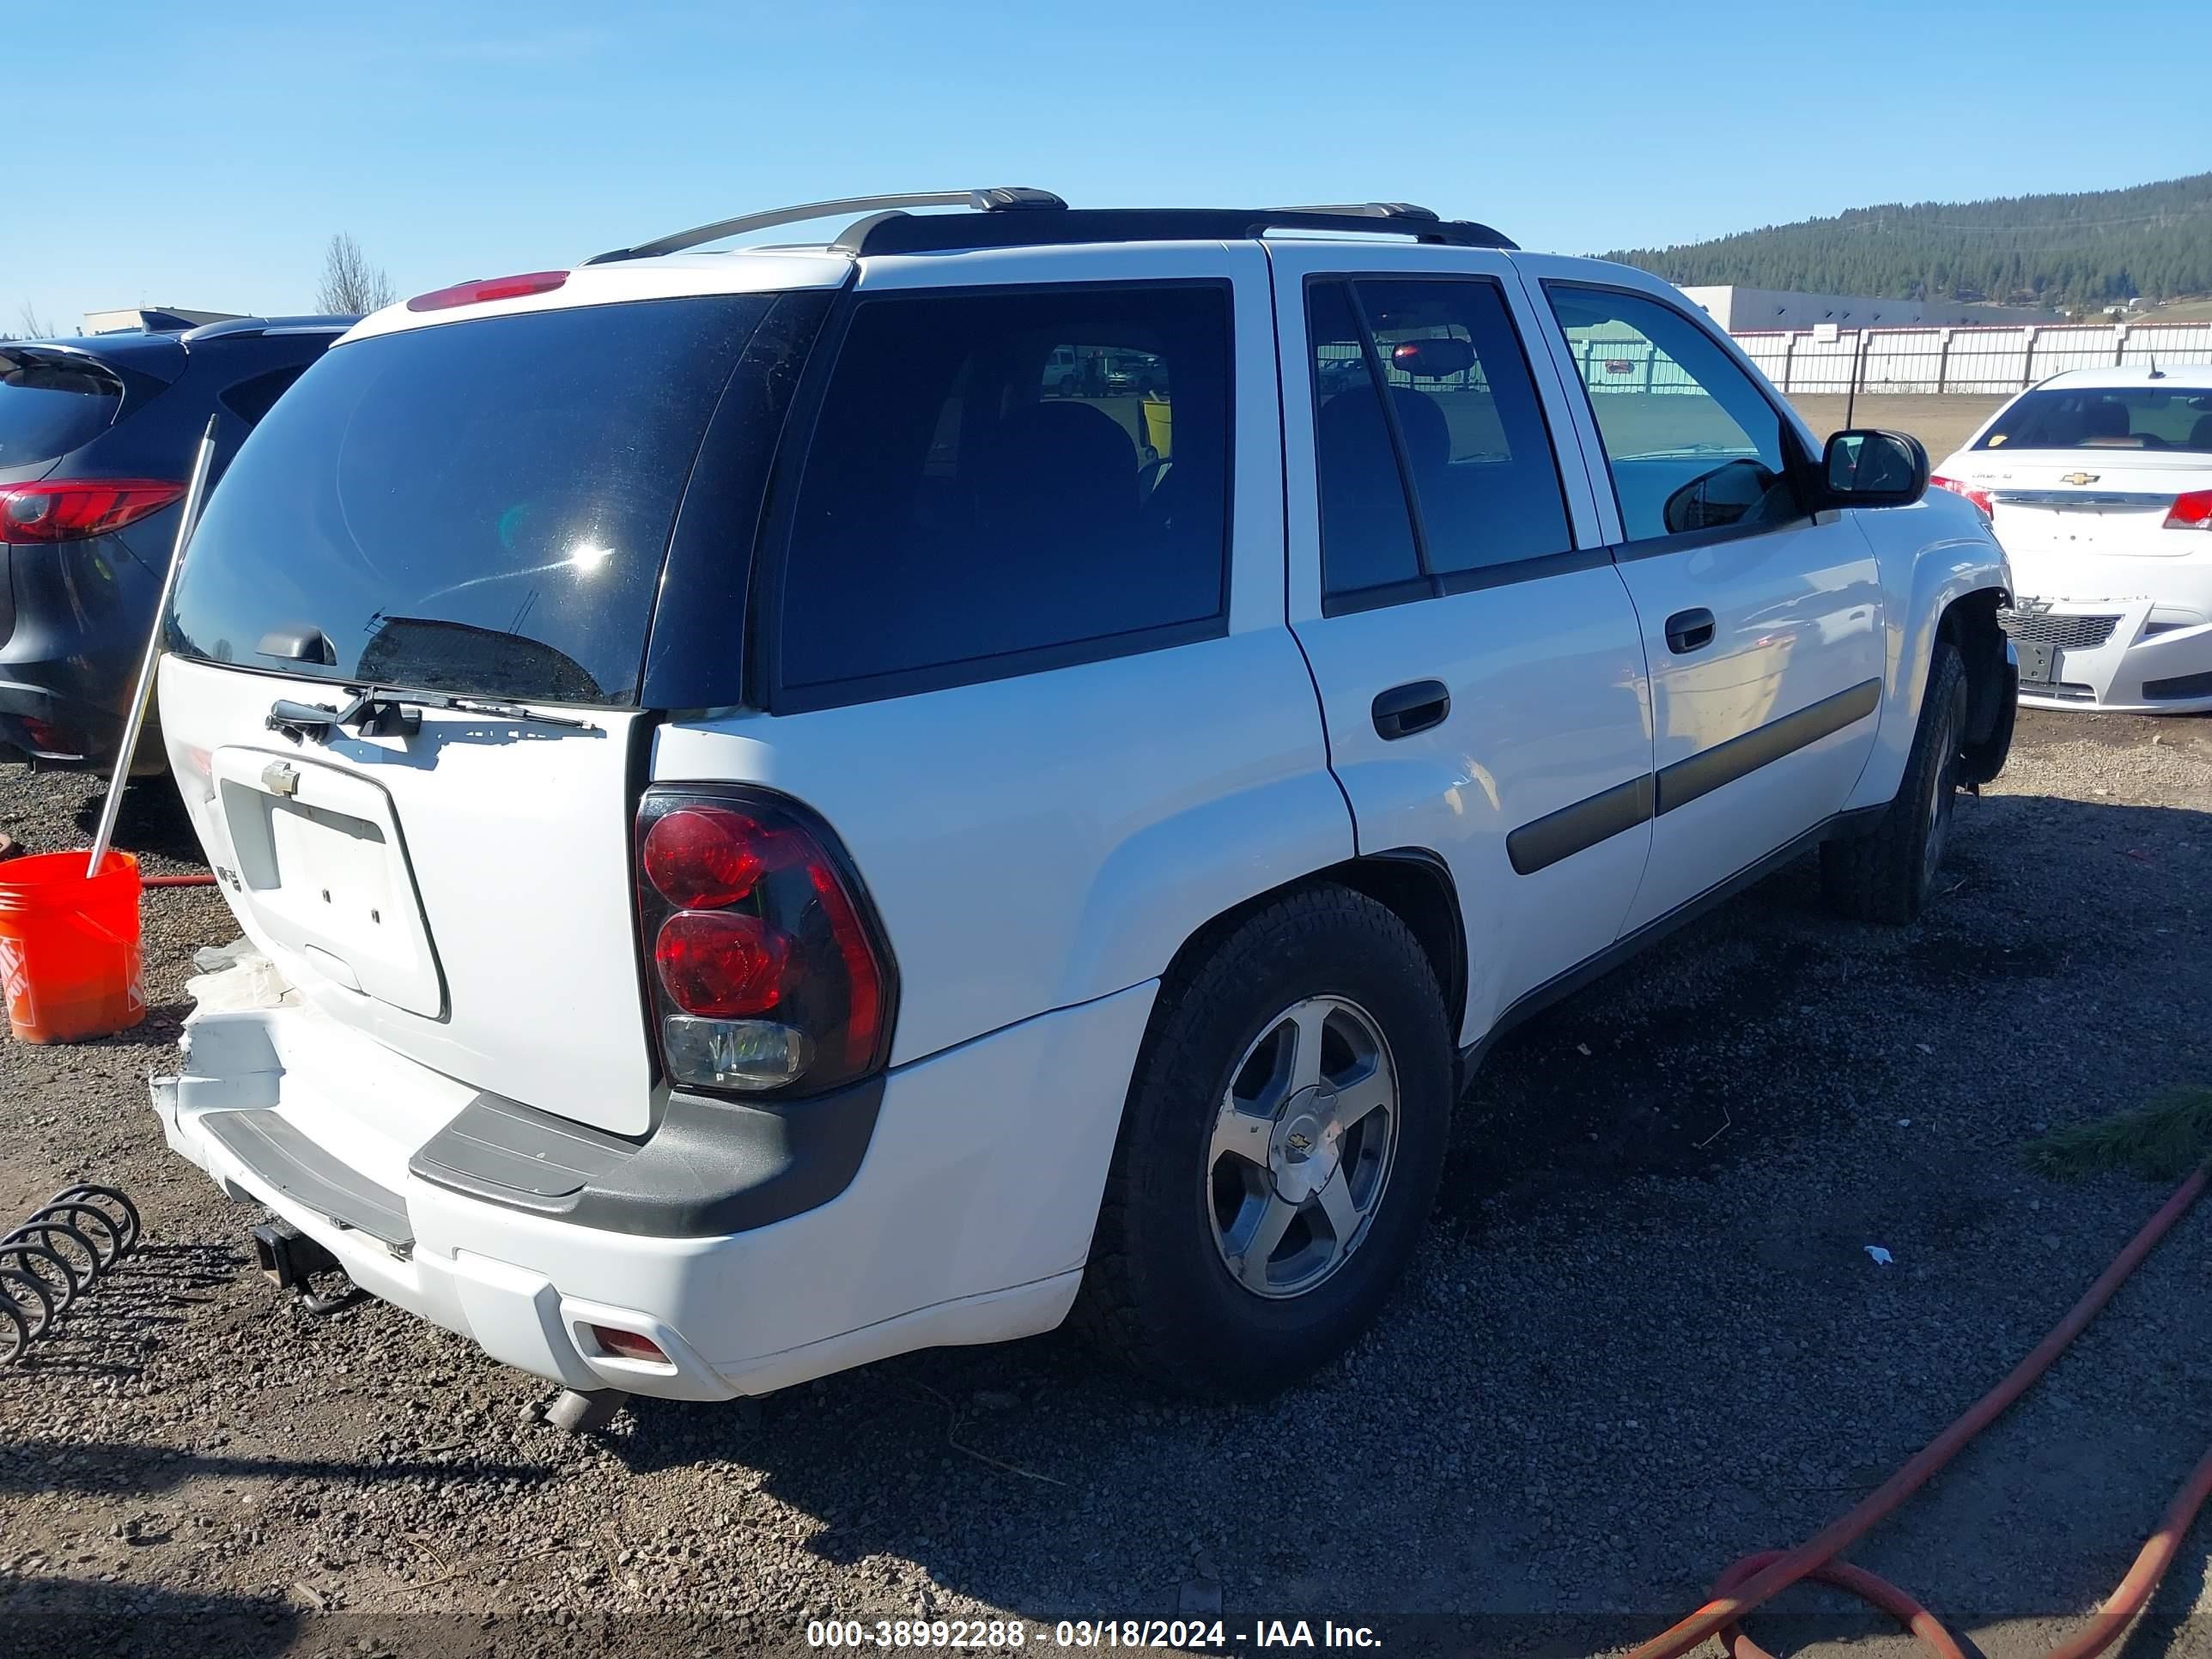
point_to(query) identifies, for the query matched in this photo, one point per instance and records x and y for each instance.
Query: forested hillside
(2085, 249)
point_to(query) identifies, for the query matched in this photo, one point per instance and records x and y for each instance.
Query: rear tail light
(77, 508)
(1980, 498)
(768, 968)
(2192, 512)
(475, 292)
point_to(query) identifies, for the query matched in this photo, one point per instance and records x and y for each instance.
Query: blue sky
(204, 157)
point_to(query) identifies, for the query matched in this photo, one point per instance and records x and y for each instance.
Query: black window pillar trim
(1381, 382)
(696, 650)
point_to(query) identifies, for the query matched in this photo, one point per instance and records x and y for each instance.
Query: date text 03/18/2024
(1002, 1634)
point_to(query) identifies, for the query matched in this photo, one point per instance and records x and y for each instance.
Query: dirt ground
(1645, 1336)
(1941, 424)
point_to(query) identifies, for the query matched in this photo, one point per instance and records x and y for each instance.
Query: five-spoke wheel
(1302, 1146)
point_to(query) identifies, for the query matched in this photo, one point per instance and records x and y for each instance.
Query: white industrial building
(1754, 310)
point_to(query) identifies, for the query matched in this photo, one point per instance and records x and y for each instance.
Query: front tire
(1279, 1152)
(1887, 876)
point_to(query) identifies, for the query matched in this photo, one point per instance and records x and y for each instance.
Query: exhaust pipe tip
(585, 1413)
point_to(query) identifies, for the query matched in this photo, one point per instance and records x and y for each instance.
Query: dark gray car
(96, 439)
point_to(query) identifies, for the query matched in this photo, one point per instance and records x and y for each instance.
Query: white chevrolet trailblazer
(819, 801)
(2099, 483)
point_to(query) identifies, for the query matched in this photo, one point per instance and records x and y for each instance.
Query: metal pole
(135, 721)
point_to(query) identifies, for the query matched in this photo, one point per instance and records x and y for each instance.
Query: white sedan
(2099, 483)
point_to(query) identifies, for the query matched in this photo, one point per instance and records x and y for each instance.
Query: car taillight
(768, 969)
(1980, 498)
(2192, 512)
(478, 290)
(77, 507)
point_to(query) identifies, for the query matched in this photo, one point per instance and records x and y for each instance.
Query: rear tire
(1887, 876)
(1279, 1152)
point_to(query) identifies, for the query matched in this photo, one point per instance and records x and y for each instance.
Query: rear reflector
(76, 508)
(2192, 512)
(1980, 498)
(627, 1345)
(489, 287)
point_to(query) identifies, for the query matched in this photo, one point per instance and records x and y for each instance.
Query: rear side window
(1691, 442)
(1453, 421)
(2106, 418)
(478, 506)
(52, 402)
(1001, 480)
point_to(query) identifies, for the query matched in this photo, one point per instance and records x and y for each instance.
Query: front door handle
(1689, 631)
(1405, 709)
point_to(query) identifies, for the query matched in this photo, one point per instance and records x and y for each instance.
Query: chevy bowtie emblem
(2082, 478)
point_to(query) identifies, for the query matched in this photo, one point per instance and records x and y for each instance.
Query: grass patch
(2162, 1139)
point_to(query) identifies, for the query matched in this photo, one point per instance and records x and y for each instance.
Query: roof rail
(997, 199)
(321, 323)
(899, 233)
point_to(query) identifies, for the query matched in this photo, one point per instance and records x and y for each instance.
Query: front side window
(1453, 420)
(1000, 473)
(2106, 418)
(1690, 440)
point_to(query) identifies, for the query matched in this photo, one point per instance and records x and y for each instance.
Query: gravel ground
(1644, 1337)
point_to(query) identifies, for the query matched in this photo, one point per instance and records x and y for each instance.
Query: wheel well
(1969, 624)
(1413, 884)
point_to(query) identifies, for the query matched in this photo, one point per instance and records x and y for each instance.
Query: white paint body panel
(1931, 555)
(518, 839)
(1797, 618)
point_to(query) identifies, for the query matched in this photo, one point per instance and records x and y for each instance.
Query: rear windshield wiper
(375, 712)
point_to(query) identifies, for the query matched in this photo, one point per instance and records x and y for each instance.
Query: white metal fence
(1963, 360)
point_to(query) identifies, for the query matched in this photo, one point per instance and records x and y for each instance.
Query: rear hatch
(459, 533)
(2102, 504)
(2094, 471)
(53, 399)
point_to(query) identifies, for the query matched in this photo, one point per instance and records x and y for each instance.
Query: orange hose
(1758, 1578)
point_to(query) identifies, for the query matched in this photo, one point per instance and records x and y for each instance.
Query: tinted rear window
(49, 406)
(479, 506)
(2106, 418)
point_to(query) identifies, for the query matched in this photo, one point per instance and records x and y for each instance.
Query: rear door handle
(1689, 631)
(1405, 709)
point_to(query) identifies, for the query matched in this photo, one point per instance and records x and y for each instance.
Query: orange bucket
(69, 947)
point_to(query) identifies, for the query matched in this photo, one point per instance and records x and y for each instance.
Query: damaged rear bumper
(967, 1218)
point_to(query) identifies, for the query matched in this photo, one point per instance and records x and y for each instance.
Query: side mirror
(1433, 358)
(1875, 469)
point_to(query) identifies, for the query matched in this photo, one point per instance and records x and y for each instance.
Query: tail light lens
(769, 970)
(1980, 498)
(77, 508)
(2192, 512)
(489, 287)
